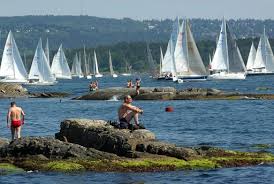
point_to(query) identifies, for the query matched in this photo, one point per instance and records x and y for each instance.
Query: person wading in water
(16, 117)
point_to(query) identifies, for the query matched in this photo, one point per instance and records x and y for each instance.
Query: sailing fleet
(181, 61)
(13, 70)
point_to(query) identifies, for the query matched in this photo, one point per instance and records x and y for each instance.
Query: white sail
(40, 69)
(110, 65)
(12, 67)
(220, 58)
(167, 65)
(251, 57)
(264, 61)
(161, 60)
(97, 73)
(152, 66)
(60, 66)
(47, 51)
(76, 69)
(195, 63)
(180, 52)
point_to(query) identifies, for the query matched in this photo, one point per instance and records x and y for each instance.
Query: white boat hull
(42, 83)
(19, 81)
(88, 77)
(126, 74)
(98, 75)
(227, 76)
(63, 77)
(114, 75)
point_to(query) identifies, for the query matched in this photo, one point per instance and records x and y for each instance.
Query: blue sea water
(236, 125)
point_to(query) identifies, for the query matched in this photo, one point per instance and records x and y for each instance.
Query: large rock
(50, 148)
(100, 135)
(12, 90)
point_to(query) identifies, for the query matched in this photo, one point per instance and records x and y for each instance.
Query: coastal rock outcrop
(50, 148)
(102, 136)
(12, 90)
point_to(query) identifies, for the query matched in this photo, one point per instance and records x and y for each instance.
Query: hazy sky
(142, 9)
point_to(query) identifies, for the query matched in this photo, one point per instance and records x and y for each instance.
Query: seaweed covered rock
(100, 135)
(49, 148)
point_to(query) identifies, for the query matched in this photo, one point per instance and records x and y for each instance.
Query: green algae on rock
(7, 168)
(63, 166)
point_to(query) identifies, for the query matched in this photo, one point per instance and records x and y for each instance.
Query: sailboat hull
(193, 77)
(98, 75)
(37, 83)
(11, 80)
(114, 75)
(225, 75)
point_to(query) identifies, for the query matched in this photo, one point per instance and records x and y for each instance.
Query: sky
(142, 9)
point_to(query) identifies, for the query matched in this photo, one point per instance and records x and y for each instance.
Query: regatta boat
(86, 66)
(47, 51)
(40, 73)
(227, 61)
(59, 66)
(12, 68)
(151, 63)
(251, 59)
(111, 67)
(167, 69)
(97, 73)
(161, 63)
(189, 64)
(76, 70)
(127, 70)
(264, 60)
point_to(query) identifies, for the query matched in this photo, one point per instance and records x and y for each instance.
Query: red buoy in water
(169, 109)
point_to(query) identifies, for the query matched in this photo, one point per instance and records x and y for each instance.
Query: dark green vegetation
(124, 37)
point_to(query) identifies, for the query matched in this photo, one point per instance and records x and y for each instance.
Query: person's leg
(129, 116)
(12, 132)
(18, 132)
(136, 118)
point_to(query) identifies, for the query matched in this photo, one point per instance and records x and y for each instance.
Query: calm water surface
(237, 125)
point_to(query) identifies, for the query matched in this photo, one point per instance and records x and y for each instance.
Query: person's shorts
(16, 123)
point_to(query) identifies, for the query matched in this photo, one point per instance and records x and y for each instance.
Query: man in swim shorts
(16, 117)
(127, 112)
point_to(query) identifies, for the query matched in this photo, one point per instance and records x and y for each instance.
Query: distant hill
(75, 31)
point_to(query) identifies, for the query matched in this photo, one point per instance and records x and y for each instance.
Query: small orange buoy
(169, 109)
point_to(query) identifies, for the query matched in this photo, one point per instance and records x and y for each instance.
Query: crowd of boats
(182, 60)
(41, 72)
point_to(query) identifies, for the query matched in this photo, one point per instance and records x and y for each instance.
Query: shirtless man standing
(14, 115)
(127, 111)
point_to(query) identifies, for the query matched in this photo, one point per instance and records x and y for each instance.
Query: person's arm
(134, 108)
(8, 118)
(23, 116)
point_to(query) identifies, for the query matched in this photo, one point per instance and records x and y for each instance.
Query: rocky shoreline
(170, 93)
(96, 145)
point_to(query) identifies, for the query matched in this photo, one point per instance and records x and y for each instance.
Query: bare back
(15, 113)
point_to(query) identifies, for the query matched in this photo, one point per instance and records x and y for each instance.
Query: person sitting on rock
(93, 86)
(130, 84)
(127, 112)
(138, 86)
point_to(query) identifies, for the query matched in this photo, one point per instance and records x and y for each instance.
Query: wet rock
(49, 95)
(48, 147)
(100, 135)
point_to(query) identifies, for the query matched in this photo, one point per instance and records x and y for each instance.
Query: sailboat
(227, 62)
(161, 63)
(40, 73)
(189, 64)
(127, 70)
(86, 66)
(251, 59)
(114, 75)
(167, 69)
(59, 66)
(264, 60)
(76, 70)
(96, 70)
(47, 51)
(12, 68)
(151, 63)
